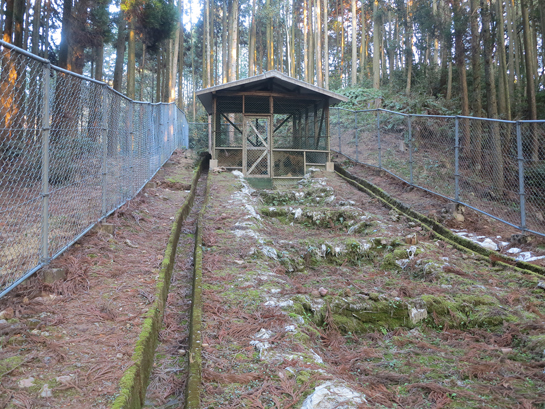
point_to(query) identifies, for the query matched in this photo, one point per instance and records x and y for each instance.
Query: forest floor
(311, 291)
(316, 292)
(67, 344)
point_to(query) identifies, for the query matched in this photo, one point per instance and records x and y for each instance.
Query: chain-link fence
(72, 150)
(493, 166)
(198, 136)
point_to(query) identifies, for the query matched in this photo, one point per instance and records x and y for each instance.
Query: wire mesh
(72, 150)
(432, 145)
(533, 153)
(496, 167)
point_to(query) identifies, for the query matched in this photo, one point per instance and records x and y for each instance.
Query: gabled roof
(270, 81)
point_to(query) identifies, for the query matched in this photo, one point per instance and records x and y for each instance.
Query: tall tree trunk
(99, 61)
(45, 49)
(251, 46)
(36, 27)
(305, 40)
(476, 53)
(224, 44)
(460, 28)
(326, 46)
(181, 104)
(376, 45)
(18, 19)
(511, 33)
(175, 51)
(503, 94)
(65, 33)
(233, 18)
(435, 40)
(142, 72)
(319, 76)
(449, 80)
(496, 158)
(131, 62)
(269, 37)
(391, 49)
(120, 53)
(409, 46)
(311, 55)
(542, 16)
(354, 45)
(531, 92)
(7, 85)
(363, 44)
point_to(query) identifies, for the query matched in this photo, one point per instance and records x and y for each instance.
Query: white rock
(331, 395)
(297, 213)
(270, 252)
(489, 244)
(260, 343)
(524, 256)
(317, 358)
(416, 315)
(238, 174)
(290, 328)
(45, 392)
(26, 383)
(535, 258)
(514, 250)
(252, 212)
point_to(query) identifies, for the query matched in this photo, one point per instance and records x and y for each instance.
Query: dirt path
(316, 289)
(67, 344)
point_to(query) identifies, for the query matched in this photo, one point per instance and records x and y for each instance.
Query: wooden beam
(291, 95)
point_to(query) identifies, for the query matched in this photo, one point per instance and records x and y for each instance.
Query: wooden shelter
(270, 125)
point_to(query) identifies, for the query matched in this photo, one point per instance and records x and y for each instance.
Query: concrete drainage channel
(135, 380)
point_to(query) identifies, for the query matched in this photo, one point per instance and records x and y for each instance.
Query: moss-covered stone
(310, 196)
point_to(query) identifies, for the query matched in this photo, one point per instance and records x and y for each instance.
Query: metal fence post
(356, 133)
(456, 159)
(522, 197)
(44, 245)
(411, 148)
(379, 145)
(131, 148)
(339, 129)
(104, 149)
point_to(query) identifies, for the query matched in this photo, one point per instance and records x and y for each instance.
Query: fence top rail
(24, 52)
(391, 112)
(488, 119)
(532, 121)
(434, 116)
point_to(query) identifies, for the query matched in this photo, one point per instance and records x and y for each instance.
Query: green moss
(466, 311)
(303, 377)
(8, 364)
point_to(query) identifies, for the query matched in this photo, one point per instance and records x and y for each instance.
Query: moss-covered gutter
(194, 380)
(431, 225)
(135, 380)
